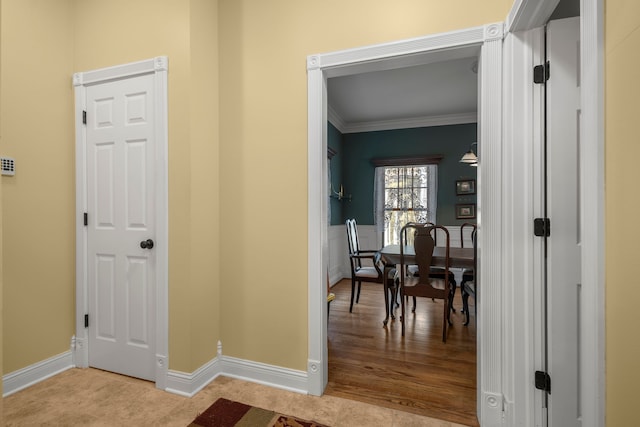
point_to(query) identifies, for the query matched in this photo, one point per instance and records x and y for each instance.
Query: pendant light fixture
(470, 157)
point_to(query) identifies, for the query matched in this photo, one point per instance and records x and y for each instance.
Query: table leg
(388, 302)
(386, 297)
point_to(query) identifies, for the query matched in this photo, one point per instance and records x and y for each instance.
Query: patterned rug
(227, 413)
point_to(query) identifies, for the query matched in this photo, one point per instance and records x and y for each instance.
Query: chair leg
(353, 291)
(465, 301)
(452, 293)
(452, 283)
(358, 296)
(393, 303)
(388, 303)
(445, 319)
(392, 298)
(402, 314)
(413, 310)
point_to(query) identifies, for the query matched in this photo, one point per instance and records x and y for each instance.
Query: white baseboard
(335, 278)
(188, 385)
(273, 376)
(23, 378)
(181, 383)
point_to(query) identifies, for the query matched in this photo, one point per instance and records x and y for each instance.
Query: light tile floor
(90, 397)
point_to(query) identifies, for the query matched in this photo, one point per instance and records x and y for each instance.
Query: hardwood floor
(418, 373)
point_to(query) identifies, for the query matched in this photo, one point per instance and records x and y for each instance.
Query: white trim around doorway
(158, 67)
(486, 42)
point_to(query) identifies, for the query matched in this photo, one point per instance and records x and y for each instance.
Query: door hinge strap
(542, 227)
(86, 219)
(84, 117)
(541, 73)
(86, 320)
(543, 381)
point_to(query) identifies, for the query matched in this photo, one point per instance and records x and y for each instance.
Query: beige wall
(252, 294)
(120, 31)
(622, 110)
(204, 305)
(263, 125)
(38, 202)
(43, 43)
(263, 46)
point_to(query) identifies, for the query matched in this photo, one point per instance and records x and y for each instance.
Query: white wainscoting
(338, 254)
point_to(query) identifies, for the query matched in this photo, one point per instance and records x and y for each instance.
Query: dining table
(390, 256)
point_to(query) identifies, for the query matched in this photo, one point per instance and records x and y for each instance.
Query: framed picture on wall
(465, 186)
(466, 211)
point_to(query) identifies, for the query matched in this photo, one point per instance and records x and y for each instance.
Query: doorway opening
(487, 41)
(407, 168)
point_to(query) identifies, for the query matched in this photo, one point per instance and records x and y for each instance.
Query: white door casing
(121, 163)
(486, 42)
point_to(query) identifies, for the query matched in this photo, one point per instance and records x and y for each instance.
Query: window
(405, 193)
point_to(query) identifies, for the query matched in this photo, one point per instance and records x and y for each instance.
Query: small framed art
(466, 211)
(465, 187)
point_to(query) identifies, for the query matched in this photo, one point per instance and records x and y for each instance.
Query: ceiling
(431, 94)
(415, 95)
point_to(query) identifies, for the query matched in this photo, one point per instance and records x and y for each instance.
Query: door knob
(146, 244)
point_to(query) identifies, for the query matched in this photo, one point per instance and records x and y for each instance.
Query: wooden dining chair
(365, 265)
(424, 285)
(437, 272)
(468, 283)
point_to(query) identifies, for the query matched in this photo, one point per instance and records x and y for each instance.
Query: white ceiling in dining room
(433, 94)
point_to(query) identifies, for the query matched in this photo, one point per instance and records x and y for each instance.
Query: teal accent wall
(356, 150)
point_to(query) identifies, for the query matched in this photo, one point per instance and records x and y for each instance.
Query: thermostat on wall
(8, 166)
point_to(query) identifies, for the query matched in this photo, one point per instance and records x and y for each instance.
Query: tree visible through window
(404, 194)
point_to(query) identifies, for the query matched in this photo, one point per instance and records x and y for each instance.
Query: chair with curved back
(467, 285)
(437, 272)
(423, 284)
(368, 271)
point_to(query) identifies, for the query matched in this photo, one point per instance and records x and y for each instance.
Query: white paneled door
(121, 260)
(563, 207)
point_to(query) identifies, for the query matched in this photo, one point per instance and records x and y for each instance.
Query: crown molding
(413, 122)
(335, 119)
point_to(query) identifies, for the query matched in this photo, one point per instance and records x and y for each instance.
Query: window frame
(400, 162)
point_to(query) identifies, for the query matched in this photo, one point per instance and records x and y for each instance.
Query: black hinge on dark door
(541, 73)
(86, 320)
(542, 227)
(543, 381)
